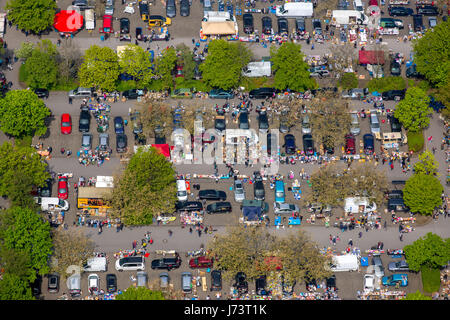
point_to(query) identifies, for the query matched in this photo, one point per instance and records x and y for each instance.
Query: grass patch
(199, 85)
(386, 83)
(416, 141)
(23, 74)
(65, 86)
(23, 142)
(250, 83)
(430, 279)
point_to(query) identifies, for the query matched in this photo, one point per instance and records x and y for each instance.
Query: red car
(63, 188)
(107, 24)
(350, 144)
(66, 123)
(200, 262)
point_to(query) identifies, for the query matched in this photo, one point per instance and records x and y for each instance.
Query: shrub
(387, 83)
(348, 81)
(416, 140)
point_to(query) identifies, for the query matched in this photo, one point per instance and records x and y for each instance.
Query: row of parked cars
(377, 268)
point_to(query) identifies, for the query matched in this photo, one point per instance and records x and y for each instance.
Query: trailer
(295, 10)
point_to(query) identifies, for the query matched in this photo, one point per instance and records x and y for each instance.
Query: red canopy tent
(371, 57)
(163, 149)
(68, 21)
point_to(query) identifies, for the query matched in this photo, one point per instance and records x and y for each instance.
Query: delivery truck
(346, 17)
(295, 10)
(257, 69)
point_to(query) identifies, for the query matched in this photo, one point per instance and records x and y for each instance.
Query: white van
(131, 264)
(358, 5)
(347, 262)
(53, 204)
(345, 17)
(181, 190)
(295, 10)
(357, 205)
(258, 69)
(97, 264)
(89, 17)
(74, 285)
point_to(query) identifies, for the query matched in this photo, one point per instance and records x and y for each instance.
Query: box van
(359, 205)
(348, 17)
(89, 17)
(74, 285)
(295, 10)
(186, 282)
(53, 204)
(97, 264)
(181, 190)
(279, 191)
(374, 124)
(358, 5)
(81, 93)
(347, 262)
(130, 263)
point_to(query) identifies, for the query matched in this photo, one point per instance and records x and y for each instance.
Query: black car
(241, 283)
(143, 10)
(258, 187)
(139, 35)
(263, 121)
(119, 126)
(317, 26)
(124, 26)
(308, 144)
(219, 207)
(53, 283)
(189, 206)
(166, 263)
(262, 93)
(289, 144)
(393, 95)
(266, 25)
(271, 141)
(36, 286)
(185, 8)
(220, 123)
(41, 93)
(396, 126)
(121, 143)
(331, 283)
(283, 25)
(396, 68)
(111, 283)
(248, 23)
(260, 286)
(85, 120)
(131, 94)
(418, 22)
(400, 11)
(243, 121)
(411, 71)
(369, 143)
(211, 194)
(46, 190)
(216, 280)
(427, 10)
(300, 25)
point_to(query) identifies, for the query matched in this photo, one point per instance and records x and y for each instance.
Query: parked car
(300, 24)
(241, 283)
(134, 263)
(63, 185)
(418, 22)
(243, 120)
(369, 282)
(121, 143)
(260, 286)
(220, 123)
(119, 126)
(46, 190)
(239, 192)
(41, 93)
(308, 144)
(124, 26)
(285, 208)
(378, 266)
(369, 143)
(331, 283)
(93, 283)
(141, 279)
(306, 125)
(131, 94)
(211, 194)
(219, 207)
(164, 280)
(221, 94)
(432, 22)
(263, 121)
(86, 141)
(103, 141)
(427, 10)
(171, 8)
(111, 283)
(354, 125)
(74, 285)
(182, 93)
(396, 126)
(53, 283)
(82, 4)
(85, 120)
(186, 277)
(248, 23)
(258, 188)
(283, 26)
(216, 280)
(350, 144)
(400, 11)
(189, 206)
(185, 8)
(109, 7)
(317, 26)
(374, 124)
(401, 265)
(411, 71)
(262, 93)
(266, 25)
(395, 279)
(289, 144)
(66, 123)
(166, 263)
(396, 68)
(200, 262)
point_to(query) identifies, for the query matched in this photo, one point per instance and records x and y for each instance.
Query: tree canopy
(12, 287)
(413, 111)
(427, 164)
(144, 189)
(22, 114)
(432, 54)
(430, 251)
(417, 296)
(291, 71)
(41, 70)
(187, 59)
(100, 68)
(164, 67)
(33, 16)
(135, 61)
(422, 193)
(140, 293)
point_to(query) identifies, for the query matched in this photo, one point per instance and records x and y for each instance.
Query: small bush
(416, 141)
(348, 81)
(387, 83)
(431, 280)
(126, 85)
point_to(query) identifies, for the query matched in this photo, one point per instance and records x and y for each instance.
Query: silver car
(86, 141)
(285, 208)
(109, 7)
(164, 280)
(239, 192)
(354, 126)
(306, 125)
(398, 266)
(103, 141)
(142, 279)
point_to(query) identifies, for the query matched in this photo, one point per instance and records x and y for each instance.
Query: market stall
(191, 218)
(68, 22)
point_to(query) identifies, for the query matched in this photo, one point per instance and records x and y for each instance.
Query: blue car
(280, 195)
(220, 94)
(401, 279)
(118, 125)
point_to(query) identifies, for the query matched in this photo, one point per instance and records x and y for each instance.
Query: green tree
(427, 164)
(223, 65)
(23, 229)
(430, 251)
(16, 262)
(20, 169)
(291, 71)
(164, 67)
(417, 296)
(144, 189)
(386, 83)
(187, 58)
(12, 287)
(422, 193)
(140, 293)
(22, 114)
(33, 16)
(135, 61)
(413, 111)
(432, 54)
(41, 70)
(25, 51)
(100, 68)
(348, 81)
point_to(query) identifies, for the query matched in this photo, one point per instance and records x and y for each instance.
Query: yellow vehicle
(158, 21)
(93, 198)
(392, 139)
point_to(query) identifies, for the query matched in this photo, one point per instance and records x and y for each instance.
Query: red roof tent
(68, 21)
(163, 149)
(371, 57)
(373, 3)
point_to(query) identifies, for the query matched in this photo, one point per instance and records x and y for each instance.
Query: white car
(239, 192)
(369, 282)
(109, 7)
(93, 283)
(285, 208)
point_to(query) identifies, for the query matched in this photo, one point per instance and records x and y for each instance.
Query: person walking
(360, 234)
(63, 150)
(170, 233)
(134, 244)
(99, 229)
(401, 237)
